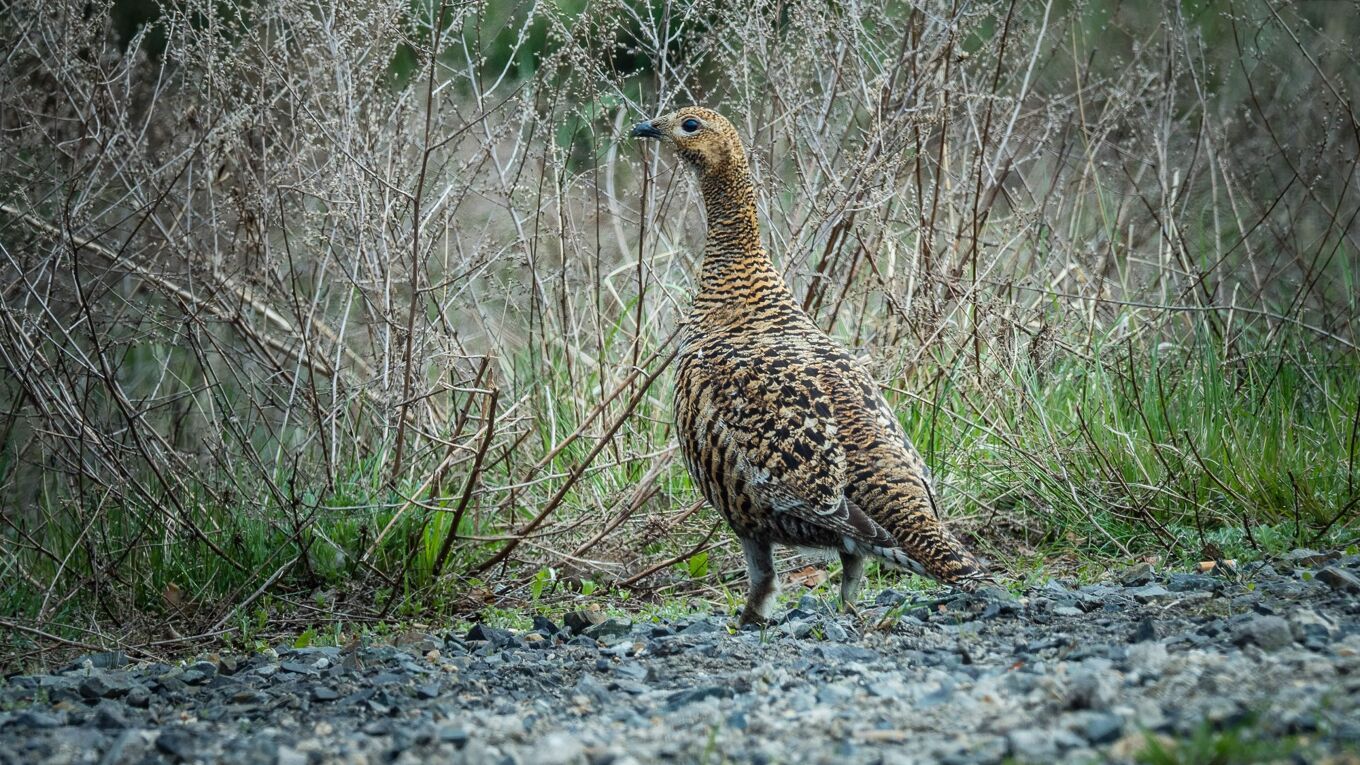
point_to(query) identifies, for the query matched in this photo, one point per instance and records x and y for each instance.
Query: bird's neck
(737, 271)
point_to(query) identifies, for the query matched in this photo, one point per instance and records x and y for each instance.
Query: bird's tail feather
(893, 556)
(965, 573)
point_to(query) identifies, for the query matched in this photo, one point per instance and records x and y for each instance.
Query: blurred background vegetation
(324, 315)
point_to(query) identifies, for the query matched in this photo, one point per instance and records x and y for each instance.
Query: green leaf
(697, 565)
(540, 581)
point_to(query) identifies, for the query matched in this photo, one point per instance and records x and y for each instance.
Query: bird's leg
(760, 570)
(852, 575)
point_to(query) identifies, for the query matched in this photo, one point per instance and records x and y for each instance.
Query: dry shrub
(300, 294)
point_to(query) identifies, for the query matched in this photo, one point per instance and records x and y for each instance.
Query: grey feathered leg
(852, 576)
(760, 570)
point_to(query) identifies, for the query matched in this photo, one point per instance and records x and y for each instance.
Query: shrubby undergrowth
(353, 312)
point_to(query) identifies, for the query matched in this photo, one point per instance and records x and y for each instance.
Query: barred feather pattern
(783, 431)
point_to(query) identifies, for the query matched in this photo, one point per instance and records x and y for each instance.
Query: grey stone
(1139, 575)
(453, 734)
(298, 668)
(1309, 625)
(33, 718)
(692, 695)
(102, 685)
(988, 750)
(557, 748)
(835, 694)
(324, 693)
(287, 755)
(1048, 685)
(1032, 745)
(1191, 583)
(814, 604)
(578, 621)
(177, 743)
(192, 677)
(494, 635)
(588, 687)
(843, 653)
(1047, 643)
(251, 696)
(1091, 689)
(1149, 593)
(1270, 633)
(412, 735)
(609, 628)
(834, 631)
(1349, 731)
(938, 696)
(801, 701)
(889, 599)
(1340, 579)
(377, 728)
(631, 670)
(622, 649)
(1102, 728)
(702, 626)
(1146, 630)
(139, 697)
(109, 716)
(130, 746)
(1149, 658)
(1306, 558)
(1056, 590)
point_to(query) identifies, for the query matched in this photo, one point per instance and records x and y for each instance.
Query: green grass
(1157, 450)
(1237, 745)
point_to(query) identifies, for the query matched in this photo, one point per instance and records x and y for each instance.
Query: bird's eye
(690, 125)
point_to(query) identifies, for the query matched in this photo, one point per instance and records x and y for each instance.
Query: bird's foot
(752, 617)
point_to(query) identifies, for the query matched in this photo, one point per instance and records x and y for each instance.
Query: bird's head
(702, 137)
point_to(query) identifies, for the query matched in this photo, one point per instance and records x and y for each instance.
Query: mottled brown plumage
(784, 433)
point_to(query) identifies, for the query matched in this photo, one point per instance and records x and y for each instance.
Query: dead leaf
(808, 576)
(173, 596)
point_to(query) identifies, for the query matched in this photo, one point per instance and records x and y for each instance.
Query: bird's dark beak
(646, 130)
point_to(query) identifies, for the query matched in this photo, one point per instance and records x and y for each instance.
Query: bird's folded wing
(792, 463)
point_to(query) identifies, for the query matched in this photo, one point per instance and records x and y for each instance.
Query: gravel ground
(1062, 674)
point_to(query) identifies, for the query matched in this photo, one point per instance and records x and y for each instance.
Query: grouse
(783, 431)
